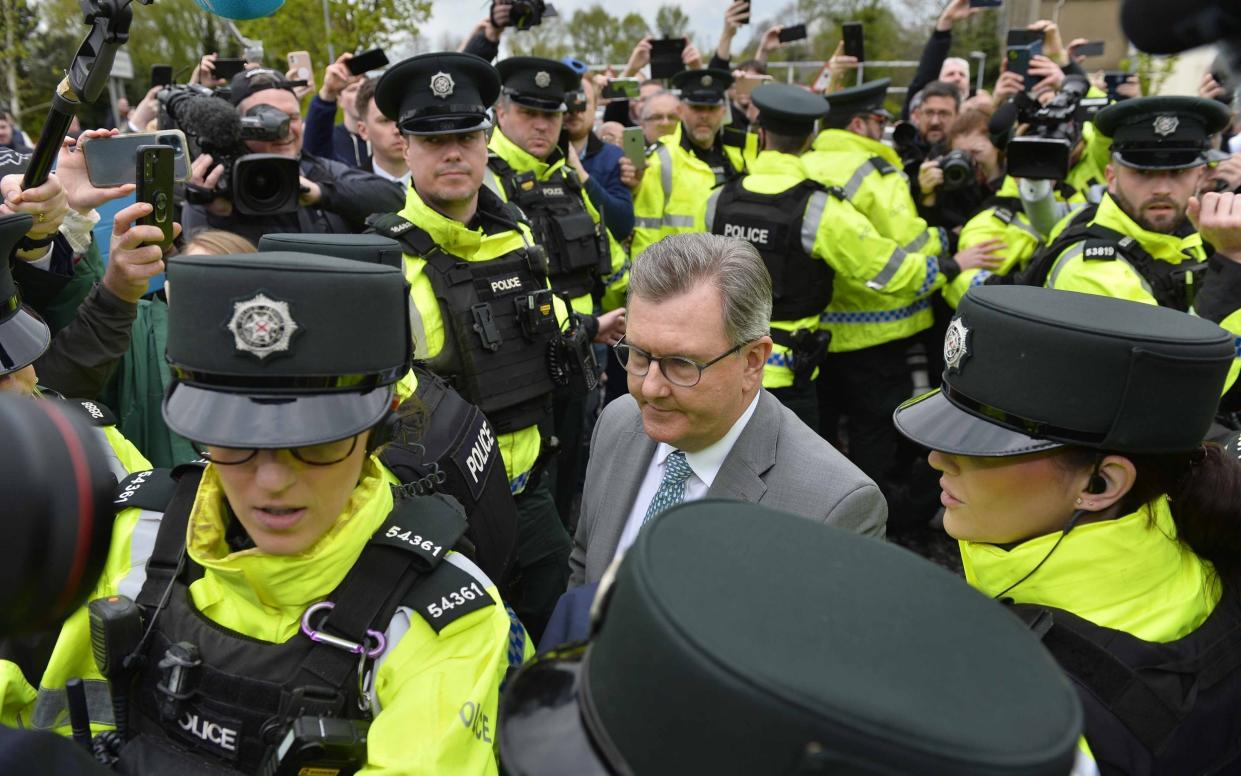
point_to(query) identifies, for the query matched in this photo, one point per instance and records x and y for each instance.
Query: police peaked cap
(703, 87)
(374, 248)
(1029, 369)
(538, 83)
(788, 109)
(283, 349)
(23, 336)
(1162, 133)
(863, 98)
(738, 639)
(441, 93)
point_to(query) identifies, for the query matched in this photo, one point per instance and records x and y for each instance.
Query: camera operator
(334, 198)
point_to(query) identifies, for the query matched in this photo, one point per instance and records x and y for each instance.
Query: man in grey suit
(697, 423)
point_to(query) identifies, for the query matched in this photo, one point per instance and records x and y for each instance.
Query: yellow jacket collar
(833, 141)
(1167, 247)
(286, 581)
(520, 159)
(1128, 574)
(451, 235)
(779, 163)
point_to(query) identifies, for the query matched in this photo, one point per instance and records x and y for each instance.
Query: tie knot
(676, 468)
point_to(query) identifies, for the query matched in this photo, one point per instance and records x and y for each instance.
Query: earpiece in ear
(384, 432)
(1097, 484)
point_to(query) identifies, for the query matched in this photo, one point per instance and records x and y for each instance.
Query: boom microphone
(1161, 27)
(215, 123)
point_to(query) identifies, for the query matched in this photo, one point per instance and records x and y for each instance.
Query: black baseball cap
(259, 79)
(1030, 369)
(737, 639)
(279, 350)
(440, 93)
(23, 335)
(1162, 133)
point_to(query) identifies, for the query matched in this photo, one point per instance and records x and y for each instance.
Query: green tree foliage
(592, 32)
(550, 39)
(671, 22)
(356, 25)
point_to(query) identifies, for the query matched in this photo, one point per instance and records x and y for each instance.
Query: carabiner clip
(336, 641)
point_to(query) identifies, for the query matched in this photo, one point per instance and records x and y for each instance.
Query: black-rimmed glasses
(678, 370)
(324, 454)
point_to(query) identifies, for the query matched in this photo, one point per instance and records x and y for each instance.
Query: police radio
(571, 359)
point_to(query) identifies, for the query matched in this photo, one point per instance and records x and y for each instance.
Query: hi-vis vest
(230, 705)
(801, 284)
(577, 247)
(500, 323)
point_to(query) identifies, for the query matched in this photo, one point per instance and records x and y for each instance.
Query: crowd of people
(388, 414)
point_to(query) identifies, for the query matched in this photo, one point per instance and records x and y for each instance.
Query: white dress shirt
(705, 464)
(382, 173)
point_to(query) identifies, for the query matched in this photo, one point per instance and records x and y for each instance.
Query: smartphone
(745, 19)
(1114, 79)
(110, 160)
(666, 57)
(227, 68)
(367, 61)
(744, 85)
(621, 89)
(1020, 36)
(1092, 49)
(1018, 61)
(161, 75)
(299, 62)
(153, 174)
(792, 33)
(851, 33)
(633, 143)
(986, 3)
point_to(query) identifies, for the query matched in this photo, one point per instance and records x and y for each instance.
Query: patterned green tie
(672, 487)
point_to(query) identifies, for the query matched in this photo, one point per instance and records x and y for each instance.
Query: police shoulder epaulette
(836, 192)
(151, 489)
(1003, 215)
(882, 166)
(454, 589)
(97, 413)
(732, 136)
(389, 224)
(1100, 250)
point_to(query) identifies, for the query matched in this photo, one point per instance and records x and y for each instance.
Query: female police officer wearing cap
(283, 580)
(1091, 502)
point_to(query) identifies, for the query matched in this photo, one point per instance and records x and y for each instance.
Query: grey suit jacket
(778, 461)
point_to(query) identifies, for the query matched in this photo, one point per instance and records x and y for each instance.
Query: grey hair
(679, 262)
(645, 113)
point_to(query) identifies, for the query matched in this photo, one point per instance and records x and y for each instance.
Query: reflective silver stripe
(114, 461)
(647, 223)
(418, 332)
(679, 222)
(493, 183)
(1075, 250)
(859, 175)
(712, 201)
(665, 172)
(889, 270)
(811, 220)
(51, 707)
(141, 545)
(915, 245)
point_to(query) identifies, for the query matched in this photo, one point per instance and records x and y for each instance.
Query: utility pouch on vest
(485, 327)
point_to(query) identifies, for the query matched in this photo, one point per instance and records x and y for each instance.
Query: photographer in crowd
(323, 137)
(331, 197)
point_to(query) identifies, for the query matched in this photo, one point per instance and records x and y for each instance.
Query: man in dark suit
(697, 423)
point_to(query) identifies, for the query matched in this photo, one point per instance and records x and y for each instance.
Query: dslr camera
(958, 169)
(1045, 151)
(257, 184)
(523, 14)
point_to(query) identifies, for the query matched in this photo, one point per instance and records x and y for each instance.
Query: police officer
(837, 654)
(1094, 505)
(529, 168)
(806, 234)
(483, 314)
(871, 332)
(288, 596)
(684, 166)
(24, 337)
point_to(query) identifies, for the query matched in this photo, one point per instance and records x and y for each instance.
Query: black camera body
(958, 169)
(257, 184)
(524, 14)
(1045, 151)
